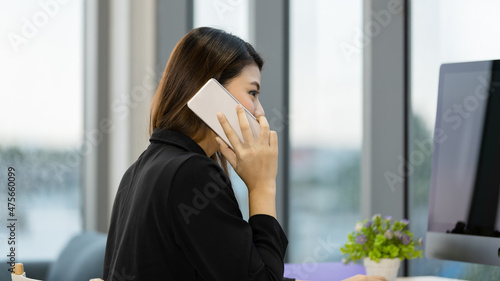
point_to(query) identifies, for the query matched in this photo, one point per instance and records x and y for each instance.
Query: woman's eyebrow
(255, 83)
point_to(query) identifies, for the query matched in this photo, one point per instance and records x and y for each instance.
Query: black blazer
(175, 217)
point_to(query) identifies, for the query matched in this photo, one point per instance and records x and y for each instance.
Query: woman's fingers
(228, 130)
(273, 139)
(264, 130)
(226, 151)
(361, 277)
(246, 132)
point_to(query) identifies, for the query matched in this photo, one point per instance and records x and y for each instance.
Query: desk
(426, 278)
(336, 271)
(325, 271)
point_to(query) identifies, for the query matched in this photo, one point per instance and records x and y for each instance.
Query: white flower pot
(386, 267)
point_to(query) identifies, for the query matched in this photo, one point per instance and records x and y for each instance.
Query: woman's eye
(253, 93)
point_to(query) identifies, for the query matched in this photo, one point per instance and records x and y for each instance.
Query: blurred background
(350, 86)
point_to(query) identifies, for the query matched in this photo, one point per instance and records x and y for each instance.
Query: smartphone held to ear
(213, 98)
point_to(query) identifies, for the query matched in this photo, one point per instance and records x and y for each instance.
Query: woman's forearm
(262, 200)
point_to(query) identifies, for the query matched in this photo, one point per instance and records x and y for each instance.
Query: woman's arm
(254, 160)
(209, 228)
(213, 235)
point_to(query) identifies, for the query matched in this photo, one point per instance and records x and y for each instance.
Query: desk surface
(336, 271)
(426, 278)
(325, 271)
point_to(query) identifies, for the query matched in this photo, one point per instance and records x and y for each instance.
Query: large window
(232, 17)
(41, 124)
(443, 31)
(325, 127)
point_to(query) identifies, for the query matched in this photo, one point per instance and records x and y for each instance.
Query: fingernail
(219, 115)
(239, 106)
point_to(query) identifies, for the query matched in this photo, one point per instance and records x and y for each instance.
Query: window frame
(385, 89)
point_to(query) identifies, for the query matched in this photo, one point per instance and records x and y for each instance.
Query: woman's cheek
(249, 106)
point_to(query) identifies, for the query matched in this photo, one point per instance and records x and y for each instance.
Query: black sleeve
(209, 227)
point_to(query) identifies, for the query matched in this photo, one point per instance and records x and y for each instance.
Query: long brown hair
(201, 54)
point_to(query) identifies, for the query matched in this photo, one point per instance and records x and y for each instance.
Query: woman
(175, 216)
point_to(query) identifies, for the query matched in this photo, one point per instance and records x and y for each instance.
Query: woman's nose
(259, 111)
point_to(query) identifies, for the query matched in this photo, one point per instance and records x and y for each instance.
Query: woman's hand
(254, 160)
(360, 277)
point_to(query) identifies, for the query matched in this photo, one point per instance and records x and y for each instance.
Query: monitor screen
(464, 213)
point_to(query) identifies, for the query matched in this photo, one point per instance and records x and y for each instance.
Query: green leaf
(379, 240)
(393, 251)
(375, 255)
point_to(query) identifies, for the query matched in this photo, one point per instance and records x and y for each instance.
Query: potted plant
(382, 243)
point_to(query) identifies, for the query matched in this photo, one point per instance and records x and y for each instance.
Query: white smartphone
(213, 98)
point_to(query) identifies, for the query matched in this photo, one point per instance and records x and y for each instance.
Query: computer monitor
(464, 209)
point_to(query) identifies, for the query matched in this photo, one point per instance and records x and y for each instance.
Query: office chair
(81, 260)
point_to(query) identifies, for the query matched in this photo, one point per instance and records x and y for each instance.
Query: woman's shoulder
(181, 158)
(201, 168)
(179, 164)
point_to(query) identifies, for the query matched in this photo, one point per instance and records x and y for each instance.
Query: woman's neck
(209, 145)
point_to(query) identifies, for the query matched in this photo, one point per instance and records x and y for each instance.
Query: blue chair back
(81, 259)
